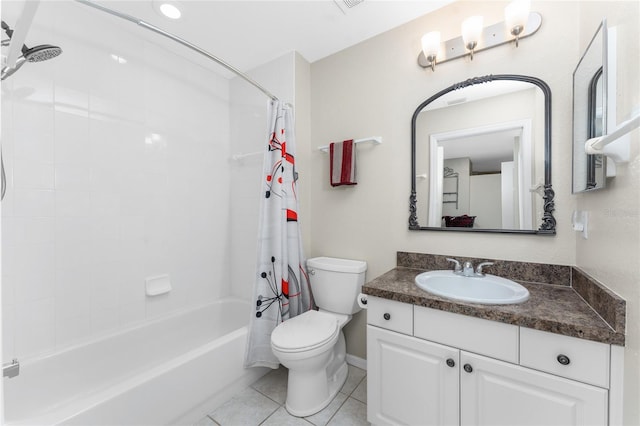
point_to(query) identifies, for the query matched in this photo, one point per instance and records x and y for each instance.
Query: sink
(489, 289)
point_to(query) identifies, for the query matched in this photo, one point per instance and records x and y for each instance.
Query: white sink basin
(490, 290)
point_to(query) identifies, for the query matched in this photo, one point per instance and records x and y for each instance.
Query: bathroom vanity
(551, 360)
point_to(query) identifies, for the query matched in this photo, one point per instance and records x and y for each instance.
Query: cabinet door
(496, 393)
(409, 380)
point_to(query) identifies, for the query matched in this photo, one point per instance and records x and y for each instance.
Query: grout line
(347, 398)
(272, 413)
(305, 419)
(339, 408)
(267, 396)
(213, 420)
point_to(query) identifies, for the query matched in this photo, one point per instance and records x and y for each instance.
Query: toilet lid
(304, 332)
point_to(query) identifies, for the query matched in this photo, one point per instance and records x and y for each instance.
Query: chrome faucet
(479, 272)
(467, 270)
(457, 269)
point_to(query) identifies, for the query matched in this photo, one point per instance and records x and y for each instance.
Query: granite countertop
(553, 308)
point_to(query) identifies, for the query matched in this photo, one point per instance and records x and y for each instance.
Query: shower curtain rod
(183, 42)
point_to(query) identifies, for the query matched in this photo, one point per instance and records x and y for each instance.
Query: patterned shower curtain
(281, 287)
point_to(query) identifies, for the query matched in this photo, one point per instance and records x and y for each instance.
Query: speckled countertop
(551, 307)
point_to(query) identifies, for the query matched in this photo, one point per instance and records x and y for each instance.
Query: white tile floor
(262, 403)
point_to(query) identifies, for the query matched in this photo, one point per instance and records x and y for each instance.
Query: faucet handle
(480, 266)
(457, 268)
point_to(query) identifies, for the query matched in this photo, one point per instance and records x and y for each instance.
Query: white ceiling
(247, 34)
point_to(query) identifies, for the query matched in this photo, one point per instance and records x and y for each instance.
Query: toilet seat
(305, 332)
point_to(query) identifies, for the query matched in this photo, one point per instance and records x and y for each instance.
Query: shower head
(40, 53)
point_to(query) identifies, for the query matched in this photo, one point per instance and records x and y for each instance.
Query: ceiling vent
(345, 5)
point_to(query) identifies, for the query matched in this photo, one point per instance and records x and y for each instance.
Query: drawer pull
(451, 362)
(563, 359)
(387, 316)
(468, 368)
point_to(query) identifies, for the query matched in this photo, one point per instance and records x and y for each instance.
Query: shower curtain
(281, 287)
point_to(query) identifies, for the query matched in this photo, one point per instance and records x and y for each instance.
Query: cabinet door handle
(451, 362)
(563, 359)
(387, 316)
(468, 368)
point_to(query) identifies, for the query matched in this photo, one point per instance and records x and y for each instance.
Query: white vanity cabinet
(496, 393)
(451, 370)
(411, 381)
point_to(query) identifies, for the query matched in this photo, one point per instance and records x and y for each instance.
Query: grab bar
(11, 369)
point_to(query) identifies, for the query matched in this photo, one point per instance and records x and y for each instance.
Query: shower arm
(181, 41)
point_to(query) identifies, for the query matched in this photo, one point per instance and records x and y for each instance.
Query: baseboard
(356, 361)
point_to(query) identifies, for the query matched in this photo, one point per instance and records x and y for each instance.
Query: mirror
(589, 113)
(481, 158)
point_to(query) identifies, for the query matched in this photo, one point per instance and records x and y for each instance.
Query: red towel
(342, 163)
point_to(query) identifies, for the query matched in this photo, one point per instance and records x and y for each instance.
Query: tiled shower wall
(117, 160)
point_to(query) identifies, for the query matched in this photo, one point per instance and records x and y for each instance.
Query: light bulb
(471, 32)
(431, 46)
(516, 15)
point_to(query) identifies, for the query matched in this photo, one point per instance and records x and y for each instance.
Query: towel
(342, 163)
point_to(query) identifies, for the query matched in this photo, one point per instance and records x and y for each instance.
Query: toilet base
(306, 386)
(334, 387)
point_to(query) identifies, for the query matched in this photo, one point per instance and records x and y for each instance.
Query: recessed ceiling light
(168, 8)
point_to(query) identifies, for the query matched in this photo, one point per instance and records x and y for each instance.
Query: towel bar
(376, 140)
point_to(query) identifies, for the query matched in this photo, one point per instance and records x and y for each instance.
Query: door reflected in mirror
(480, 159)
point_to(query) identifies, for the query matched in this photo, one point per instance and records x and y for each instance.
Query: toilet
(311, 345)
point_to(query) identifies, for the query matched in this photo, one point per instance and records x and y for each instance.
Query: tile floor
(262, 403)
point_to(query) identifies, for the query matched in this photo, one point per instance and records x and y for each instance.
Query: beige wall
(372, 89)
(612, 252)
(302, 102)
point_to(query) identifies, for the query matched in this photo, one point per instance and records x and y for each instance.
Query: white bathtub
(166, 372)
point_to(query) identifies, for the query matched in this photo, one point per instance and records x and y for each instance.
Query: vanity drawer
(565, 356)
(495, 339)
(389, 314)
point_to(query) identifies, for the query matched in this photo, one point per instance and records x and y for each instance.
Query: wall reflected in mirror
(480, 158)
(589, 114)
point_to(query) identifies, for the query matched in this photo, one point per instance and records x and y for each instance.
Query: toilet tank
(336, 283)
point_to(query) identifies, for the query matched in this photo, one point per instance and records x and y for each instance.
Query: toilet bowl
(312, 345)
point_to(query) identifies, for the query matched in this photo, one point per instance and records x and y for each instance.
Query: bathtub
(169, 371)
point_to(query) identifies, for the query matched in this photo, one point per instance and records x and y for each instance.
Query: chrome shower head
(40, 53)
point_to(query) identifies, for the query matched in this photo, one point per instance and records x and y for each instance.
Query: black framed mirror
(481, 158)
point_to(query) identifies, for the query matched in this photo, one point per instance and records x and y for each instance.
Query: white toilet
(312, 345)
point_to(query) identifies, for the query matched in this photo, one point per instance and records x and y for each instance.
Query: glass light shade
(472, 30)
(431, 43)
(516, 14)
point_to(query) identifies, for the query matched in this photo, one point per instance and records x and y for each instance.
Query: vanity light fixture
(471, 32)
(516, 15)
(519, 23)
(430, 47)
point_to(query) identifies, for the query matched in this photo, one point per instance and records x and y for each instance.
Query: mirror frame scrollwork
(548, 225)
